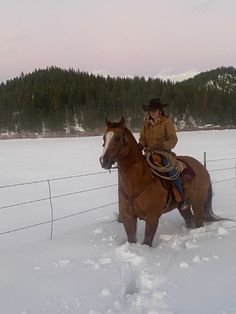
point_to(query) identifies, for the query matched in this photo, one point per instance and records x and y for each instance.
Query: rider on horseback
(158, 133)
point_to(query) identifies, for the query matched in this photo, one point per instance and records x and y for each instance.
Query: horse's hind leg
(188, 217)
(198, 213)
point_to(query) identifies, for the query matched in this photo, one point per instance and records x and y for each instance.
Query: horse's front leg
(130, 224)
(150, 230)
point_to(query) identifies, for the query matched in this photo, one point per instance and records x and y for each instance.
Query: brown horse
(143, 196)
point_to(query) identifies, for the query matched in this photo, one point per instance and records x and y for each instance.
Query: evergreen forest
(58, 100)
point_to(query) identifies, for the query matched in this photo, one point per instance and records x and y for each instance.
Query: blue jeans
(173, 172)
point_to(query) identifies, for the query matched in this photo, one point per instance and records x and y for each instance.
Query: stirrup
(183, 205)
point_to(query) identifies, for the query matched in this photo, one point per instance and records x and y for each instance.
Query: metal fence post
(51, 206)
(235, 173)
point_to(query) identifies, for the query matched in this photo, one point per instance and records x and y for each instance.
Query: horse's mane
(116, 125)
(130, 135)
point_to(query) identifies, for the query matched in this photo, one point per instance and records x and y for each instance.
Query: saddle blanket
(187, 173)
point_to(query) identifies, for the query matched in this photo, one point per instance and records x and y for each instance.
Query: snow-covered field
(88, 268)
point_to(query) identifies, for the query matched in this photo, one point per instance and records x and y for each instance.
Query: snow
(88, 267)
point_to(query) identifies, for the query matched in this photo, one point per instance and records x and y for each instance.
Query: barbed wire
(75, 214)
(222, 169)
(84, 191)
(56, 219)
(224, 180)
(25, 203)
(79, 192)
(57, 196)
(90, 174)
(55, 179)
(221, 159)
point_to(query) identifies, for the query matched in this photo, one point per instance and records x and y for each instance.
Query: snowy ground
(88, 268)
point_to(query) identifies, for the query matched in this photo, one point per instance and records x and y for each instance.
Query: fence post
(205, 159)
(51, 206)
(235, 172)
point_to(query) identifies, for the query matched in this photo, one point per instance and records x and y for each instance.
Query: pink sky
(117, 37)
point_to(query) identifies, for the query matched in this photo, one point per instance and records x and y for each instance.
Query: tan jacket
(160, 135)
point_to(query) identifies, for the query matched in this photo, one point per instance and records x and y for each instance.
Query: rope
(157, 169)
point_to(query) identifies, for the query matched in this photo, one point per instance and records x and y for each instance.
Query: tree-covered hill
(213, 96)
(221, 78)
(58, 100)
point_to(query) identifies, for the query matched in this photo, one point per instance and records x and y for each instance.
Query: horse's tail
(208, 212)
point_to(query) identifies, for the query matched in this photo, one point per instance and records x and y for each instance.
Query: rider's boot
(179, 195)
(177, 188)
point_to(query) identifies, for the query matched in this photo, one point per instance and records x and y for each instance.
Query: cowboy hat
(154, 104)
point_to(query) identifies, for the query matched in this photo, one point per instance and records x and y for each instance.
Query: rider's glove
(146, 150)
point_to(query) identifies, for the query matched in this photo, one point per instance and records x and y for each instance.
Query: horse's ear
(107, 123)
(122, 122)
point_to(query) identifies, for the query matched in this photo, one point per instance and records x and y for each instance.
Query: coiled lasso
(157, 170)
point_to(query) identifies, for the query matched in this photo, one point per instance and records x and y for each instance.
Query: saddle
(185, 171)
(179, 169)
(187, 174)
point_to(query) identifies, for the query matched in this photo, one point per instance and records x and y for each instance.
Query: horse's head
(116, 144)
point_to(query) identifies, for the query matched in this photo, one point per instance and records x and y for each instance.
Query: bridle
(118, 154)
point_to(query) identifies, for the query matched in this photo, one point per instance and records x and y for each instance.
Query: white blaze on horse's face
(107, 141)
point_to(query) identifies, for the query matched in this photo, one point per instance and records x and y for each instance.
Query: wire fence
(54, 179)
(51, 197)
(57, 219)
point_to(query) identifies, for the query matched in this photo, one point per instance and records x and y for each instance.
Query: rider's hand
(146, 150)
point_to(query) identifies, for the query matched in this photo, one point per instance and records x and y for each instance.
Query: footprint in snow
(105, 260)
(96, 265)
(98, 231)
(62, 263)
(129, 253)
(37, 268)
(105, 292)
(198, 259)
(221, 231)
(183, 265)
(91, 263)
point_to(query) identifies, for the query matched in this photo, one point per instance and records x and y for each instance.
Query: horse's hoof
(118, 218)
(148, 244)
(190, 224)
(199, 225)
